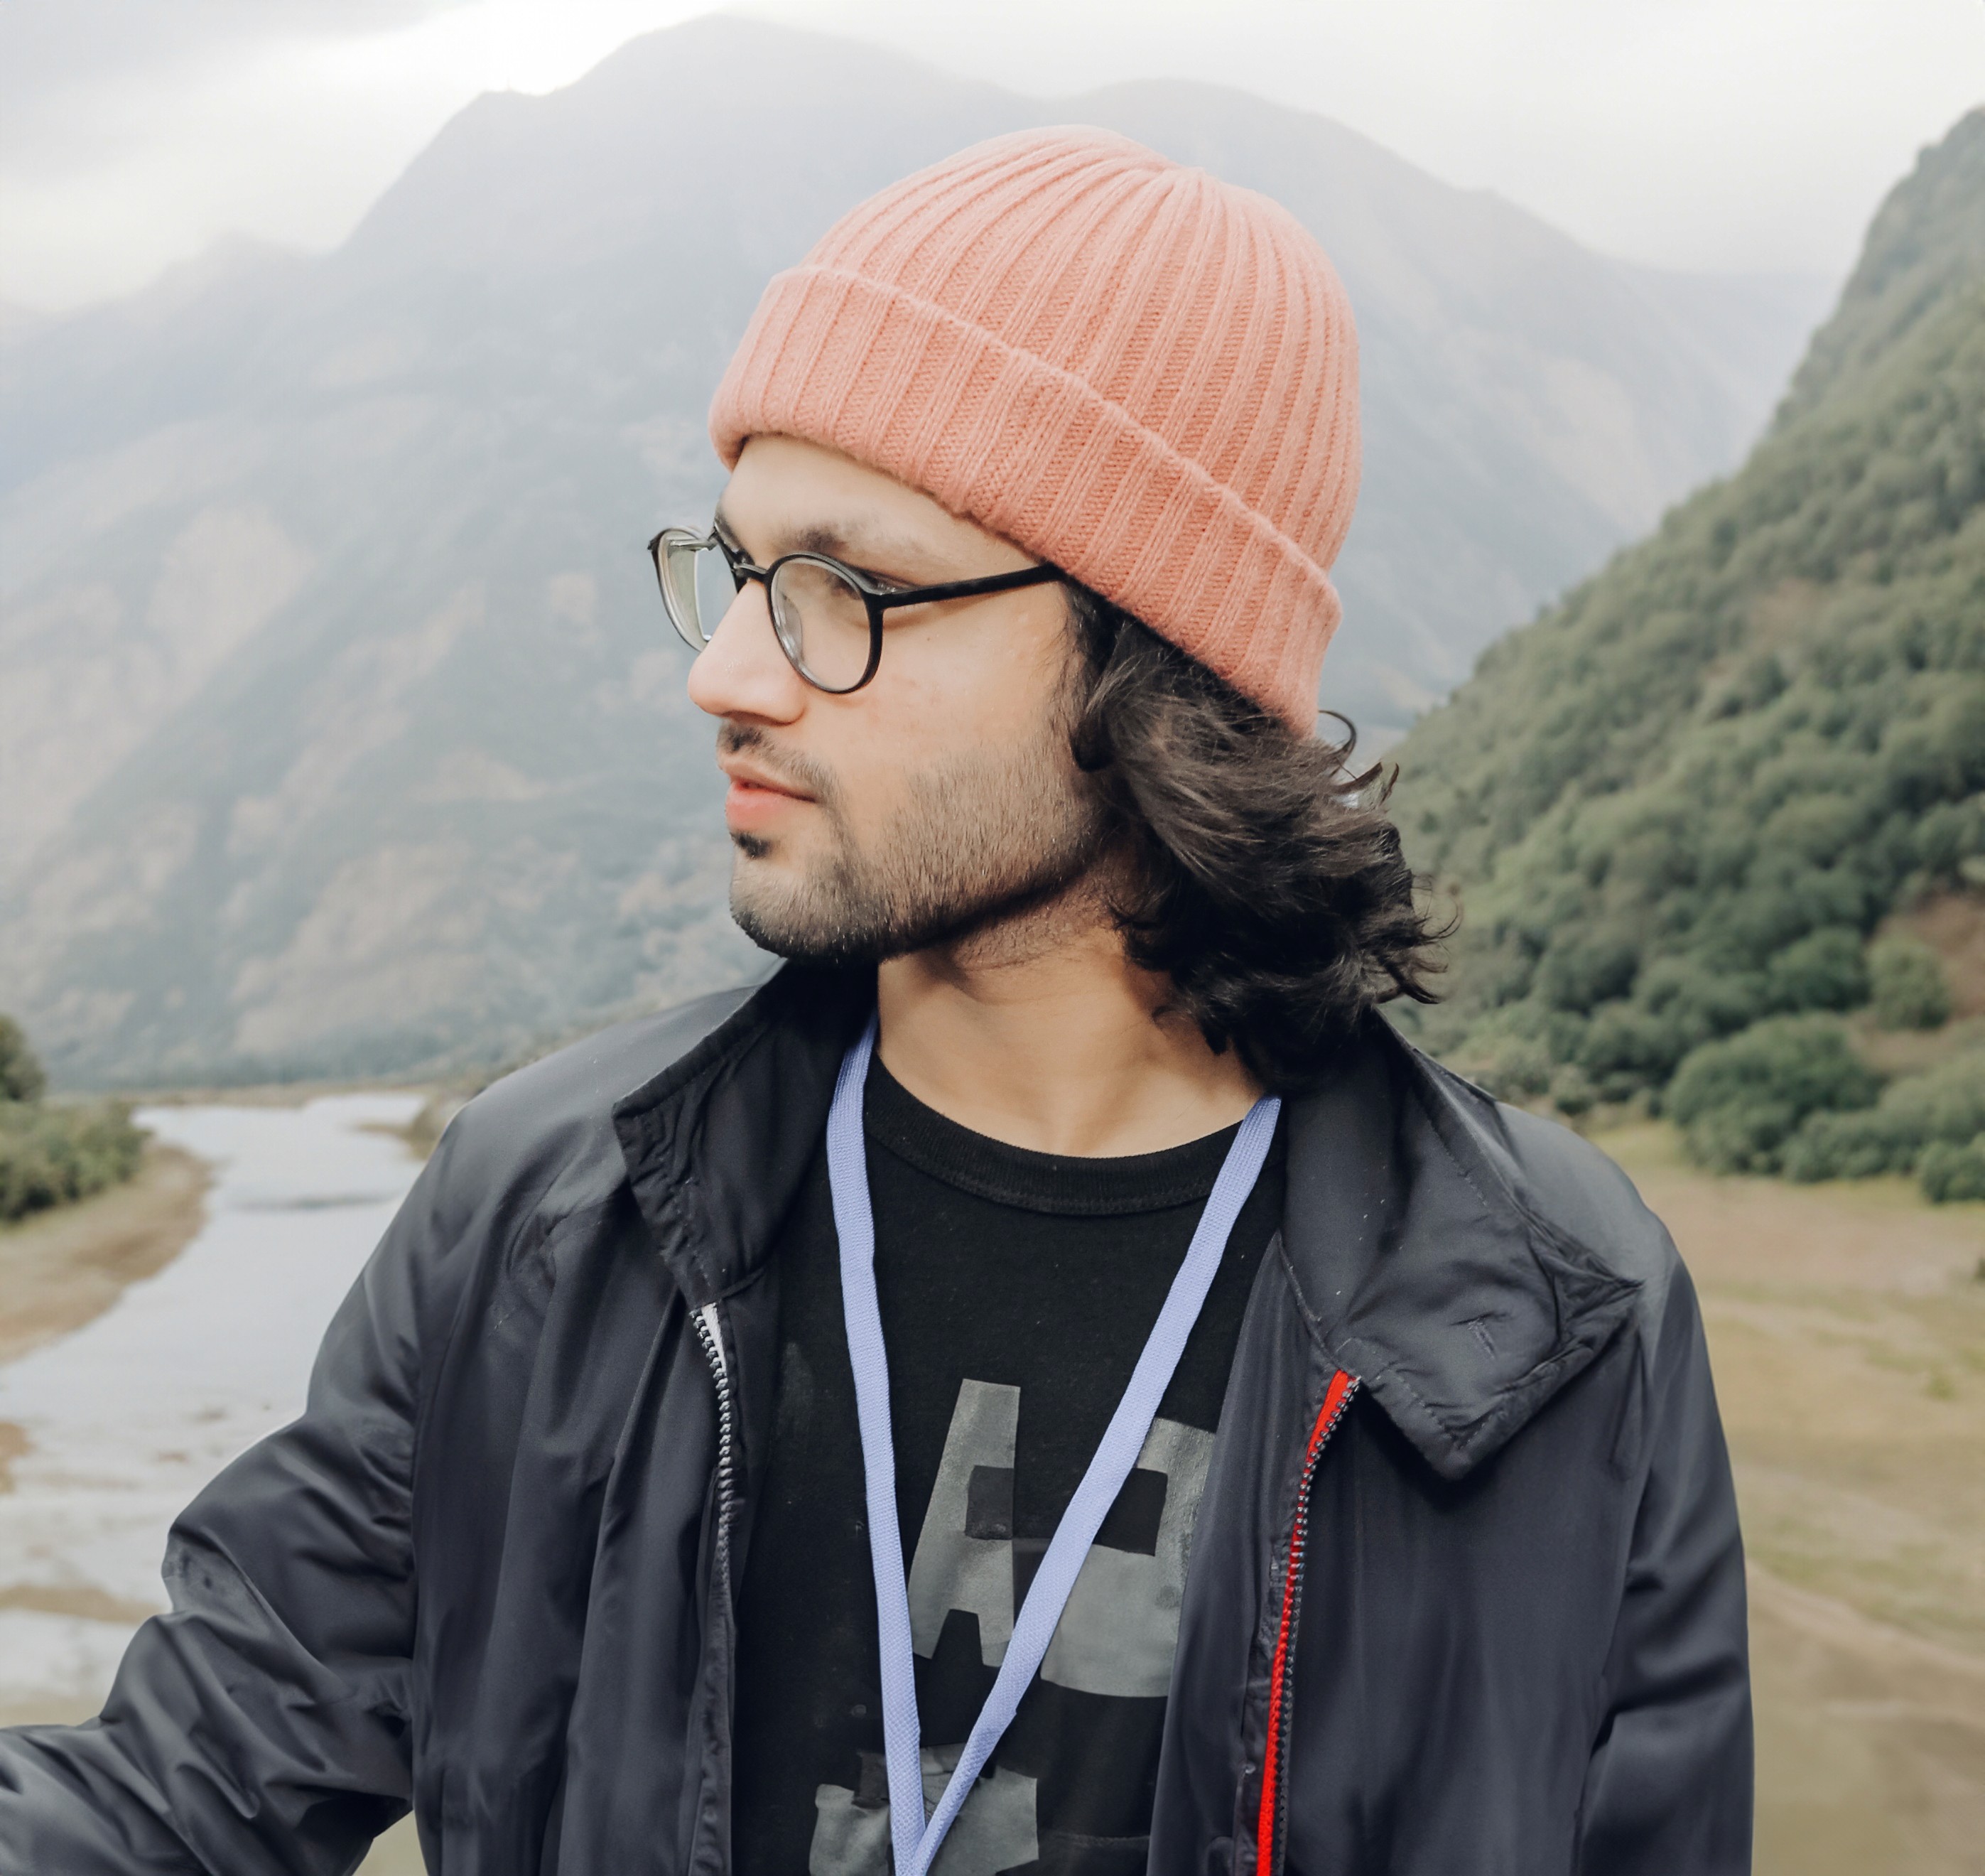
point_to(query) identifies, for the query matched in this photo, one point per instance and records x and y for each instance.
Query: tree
(1739, 1101)
(20, 1077)
(1906, 979)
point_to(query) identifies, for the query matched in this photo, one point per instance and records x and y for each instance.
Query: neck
(1042, 1033)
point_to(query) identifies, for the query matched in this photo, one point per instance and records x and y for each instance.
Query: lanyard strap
(915, 1842)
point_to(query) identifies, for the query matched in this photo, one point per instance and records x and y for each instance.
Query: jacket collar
(759, 1083)
(1419, 1259)
(1423, 1263)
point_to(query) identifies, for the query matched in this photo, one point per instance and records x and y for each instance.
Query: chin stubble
(975, 842)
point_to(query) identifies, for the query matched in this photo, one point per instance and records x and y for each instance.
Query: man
(1051, 1382)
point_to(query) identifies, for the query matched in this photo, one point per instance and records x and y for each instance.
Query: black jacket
(1493, 1623)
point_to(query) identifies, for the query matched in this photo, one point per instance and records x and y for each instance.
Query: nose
(742, 672)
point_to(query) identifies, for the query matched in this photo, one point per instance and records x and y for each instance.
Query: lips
(756, 797)
(750, 777)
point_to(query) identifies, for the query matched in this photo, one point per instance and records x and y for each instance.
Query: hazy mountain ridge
(339, 728)
(1677, 805)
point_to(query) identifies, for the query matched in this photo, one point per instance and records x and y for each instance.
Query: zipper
(1271, 1827)
(708, 1327)
(709, 1332)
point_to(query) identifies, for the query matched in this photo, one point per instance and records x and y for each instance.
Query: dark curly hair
(1268, 884)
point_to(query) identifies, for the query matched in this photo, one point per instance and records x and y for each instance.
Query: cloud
(1733, 134)
(57, 54)
(135, 134)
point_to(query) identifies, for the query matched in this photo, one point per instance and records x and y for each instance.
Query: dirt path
(60, 1270)
(1847, 1326)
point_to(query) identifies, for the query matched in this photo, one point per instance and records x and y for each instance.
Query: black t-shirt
(1017, 1290)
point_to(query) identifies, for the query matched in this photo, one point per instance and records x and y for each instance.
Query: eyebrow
(852, 547)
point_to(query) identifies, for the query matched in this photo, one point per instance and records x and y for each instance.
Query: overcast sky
(1712, 134)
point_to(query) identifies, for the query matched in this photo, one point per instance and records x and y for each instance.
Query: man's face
(937, 800)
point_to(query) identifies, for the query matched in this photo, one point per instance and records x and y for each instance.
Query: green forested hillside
(1677, 807)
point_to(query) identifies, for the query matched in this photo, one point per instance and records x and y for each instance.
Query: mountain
(340, 730)
(1675, 808)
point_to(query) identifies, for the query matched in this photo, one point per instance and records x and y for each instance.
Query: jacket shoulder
(545, 1132)
(1570, 1186)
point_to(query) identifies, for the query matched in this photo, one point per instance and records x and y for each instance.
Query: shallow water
(129, 1417)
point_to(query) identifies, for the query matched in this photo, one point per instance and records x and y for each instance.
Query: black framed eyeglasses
(828, 617)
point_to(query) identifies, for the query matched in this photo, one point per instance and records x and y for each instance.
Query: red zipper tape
(1336, 1397)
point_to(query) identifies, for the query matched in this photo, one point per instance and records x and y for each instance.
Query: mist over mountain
(340, 728)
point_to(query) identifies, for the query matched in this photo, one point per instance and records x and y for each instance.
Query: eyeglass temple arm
(966, 588)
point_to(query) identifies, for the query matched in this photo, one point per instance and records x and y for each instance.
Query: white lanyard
(915, 1841)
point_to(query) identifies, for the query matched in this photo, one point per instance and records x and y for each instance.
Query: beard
(974, 841)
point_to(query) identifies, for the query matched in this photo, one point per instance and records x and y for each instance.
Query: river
(129, 1416)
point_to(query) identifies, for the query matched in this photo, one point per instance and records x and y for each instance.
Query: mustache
(815, 778)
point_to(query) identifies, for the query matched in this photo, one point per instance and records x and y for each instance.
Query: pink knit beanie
(1126, 367)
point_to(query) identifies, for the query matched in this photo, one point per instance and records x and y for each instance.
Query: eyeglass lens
(822, 620)
(696, 583)
(823, 623)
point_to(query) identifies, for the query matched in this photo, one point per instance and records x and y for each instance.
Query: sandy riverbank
(61, 1269)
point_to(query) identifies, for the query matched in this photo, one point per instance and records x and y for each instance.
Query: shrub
(50, 1156)
(1627, 1048)
(1738, 1101)
(1949, 1172)
(1583, 969)
(1701, 1001)
(1511, 1068)
(1571, 1091)
(1945, 1106)
(20, 1077)
(1905, 977)
(1944, 1103)
(1823, 970)
(1851, 1146)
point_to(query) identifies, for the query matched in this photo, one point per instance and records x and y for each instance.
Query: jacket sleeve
(260, 1729)
(1668, 1790)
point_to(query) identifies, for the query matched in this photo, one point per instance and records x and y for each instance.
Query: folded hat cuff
(1032, 452)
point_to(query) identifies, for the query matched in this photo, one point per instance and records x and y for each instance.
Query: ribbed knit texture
(1127, 368)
